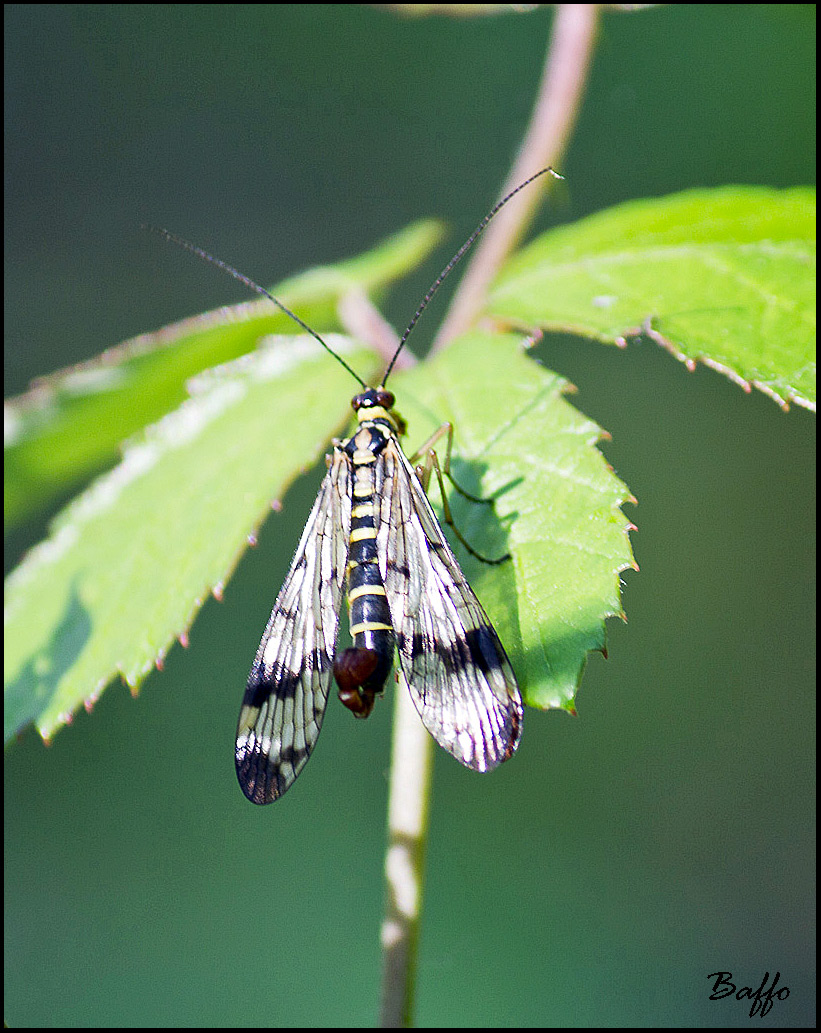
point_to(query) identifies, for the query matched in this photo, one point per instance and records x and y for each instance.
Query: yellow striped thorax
(376, 404)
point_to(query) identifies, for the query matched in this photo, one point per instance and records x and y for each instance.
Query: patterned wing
(287, 690)
(456, 668)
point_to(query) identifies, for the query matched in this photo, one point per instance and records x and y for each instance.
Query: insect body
(373, 533)
(372, 520)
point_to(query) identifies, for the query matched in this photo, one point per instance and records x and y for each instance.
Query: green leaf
(725, 277)
(71, 423)
(129, 562)
(557, 505)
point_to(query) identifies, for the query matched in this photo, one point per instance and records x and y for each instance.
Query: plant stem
(554, 115)
(408, 800)
(557, 105)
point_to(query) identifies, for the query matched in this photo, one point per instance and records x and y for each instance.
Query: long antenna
(200, 253)
(437, 283)
(460, 254)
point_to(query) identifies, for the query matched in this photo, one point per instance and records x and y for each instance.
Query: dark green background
(665, 833)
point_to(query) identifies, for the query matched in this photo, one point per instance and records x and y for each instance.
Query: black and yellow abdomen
(362, 670)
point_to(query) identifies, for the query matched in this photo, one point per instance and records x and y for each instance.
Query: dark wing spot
(279, 681)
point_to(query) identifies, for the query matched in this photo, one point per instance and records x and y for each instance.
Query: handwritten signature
(762, 998)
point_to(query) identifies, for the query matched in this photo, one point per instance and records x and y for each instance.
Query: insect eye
(357, 402)
(385, 398)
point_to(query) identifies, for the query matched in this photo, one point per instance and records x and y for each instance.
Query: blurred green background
(664, 834)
